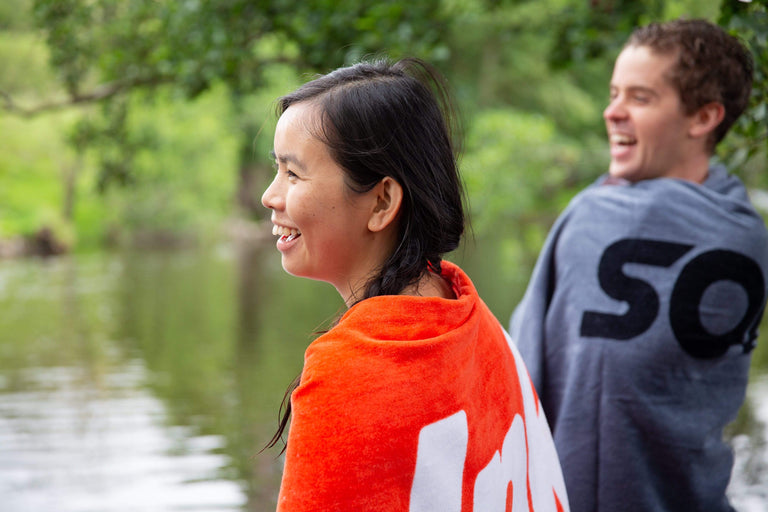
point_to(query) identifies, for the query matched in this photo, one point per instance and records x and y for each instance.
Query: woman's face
(321, 223)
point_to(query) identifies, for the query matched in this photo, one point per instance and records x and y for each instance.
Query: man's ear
(388, 195)
(706, 119)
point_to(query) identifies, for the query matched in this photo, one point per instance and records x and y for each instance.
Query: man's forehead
(642, 66)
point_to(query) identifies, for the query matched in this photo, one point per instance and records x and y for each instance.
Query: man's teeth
(618, 138)
(287, 234)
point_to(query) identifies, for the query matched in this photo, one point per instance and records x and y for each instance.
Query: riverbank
(46, 243)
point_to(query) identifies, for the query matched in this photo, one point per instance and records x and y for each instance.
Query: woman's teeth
(286, 234)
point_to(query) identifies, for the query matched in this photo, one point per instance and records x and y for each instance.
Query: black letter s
(642, 298)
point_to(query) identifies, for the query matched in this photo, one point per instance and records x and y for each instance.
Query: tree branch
(105, 91)
(99, 93)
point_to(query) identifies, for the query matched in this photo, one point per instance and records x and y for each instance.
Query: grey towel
(637, 327)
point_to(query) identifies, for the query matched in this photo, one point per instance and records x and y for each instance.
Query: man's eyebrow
(642, 88)
(637, 88)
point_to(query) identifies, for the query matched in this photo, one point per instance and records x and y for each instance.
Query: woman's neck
(430, 285)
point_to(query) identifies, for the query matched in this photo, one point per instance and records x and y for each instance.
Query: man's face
(647, 129)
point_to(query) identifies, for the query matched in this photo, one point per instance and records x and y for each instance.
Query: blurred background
(147, 330)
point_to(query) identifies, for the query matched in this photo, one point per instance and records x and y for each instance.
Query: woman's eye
(291, 174)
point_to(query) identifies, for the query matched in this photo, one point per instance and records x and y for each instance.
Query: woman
(414, 400)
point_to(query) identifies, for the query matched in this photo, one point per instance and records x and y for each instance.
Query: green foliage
(182, 179)
(194, 44)
(330, 33)
(30, 173)
(707, 9)
(71, 49)
(499, 58)
(591, 30)
(15, 15)
(517, 169)
(24, 71)
(181, 174)
(746, 147)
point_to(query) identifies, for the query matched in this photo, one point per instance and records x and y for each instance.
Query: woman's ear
(388, 195)
(706, 119)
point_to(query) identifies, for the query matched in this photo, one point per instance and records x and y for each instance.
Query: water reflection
(749, 484)
(70, 446)
(150, 381)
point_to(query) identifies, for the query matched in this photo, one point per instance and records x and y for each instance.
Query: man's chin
(621, 172)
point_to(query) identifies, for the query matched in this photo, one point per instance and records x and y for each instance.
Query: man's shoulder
(675, 207)
(607, 197)
(724, 191)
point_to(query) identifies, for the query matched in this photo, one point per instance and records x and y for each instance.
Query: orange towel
(420, 404)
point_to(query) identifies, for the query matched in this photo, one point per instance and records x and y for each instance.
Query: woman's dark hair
(382, 119)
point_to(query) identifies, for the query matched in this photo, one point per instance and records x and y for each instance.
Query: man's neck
(695, 169)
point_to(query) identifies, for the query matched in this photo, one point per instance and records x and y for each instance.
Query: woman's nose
(270, 198)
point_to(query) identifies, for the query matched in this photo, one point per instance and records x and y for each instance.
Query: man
(642, 311)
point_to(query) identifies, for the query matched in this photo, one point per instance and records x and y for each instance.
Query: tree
(104, 51)
(520, 58)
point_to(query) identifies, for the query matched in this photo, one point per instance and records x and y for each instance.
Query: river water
(151, 381)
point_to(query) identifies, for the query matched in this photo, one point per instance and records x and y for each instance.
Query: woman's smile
(285, 234)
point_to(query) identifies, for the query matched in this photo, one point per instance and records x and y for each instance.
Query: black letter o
(697, 275)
